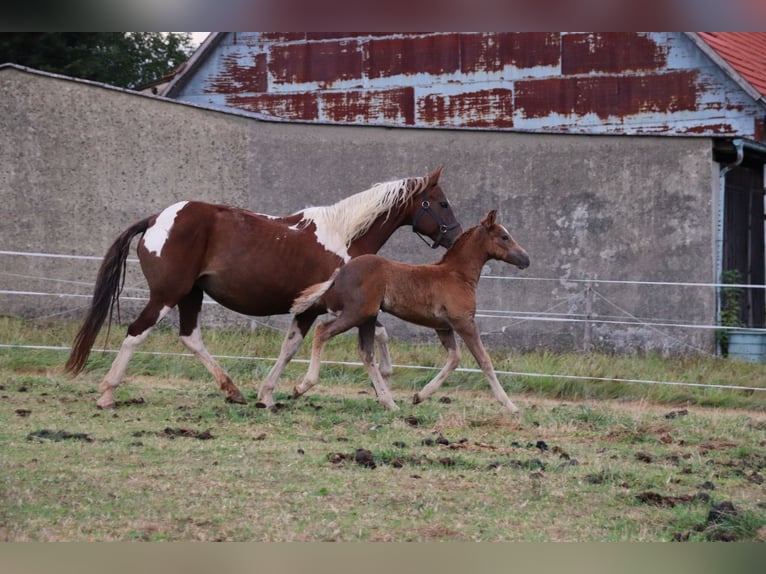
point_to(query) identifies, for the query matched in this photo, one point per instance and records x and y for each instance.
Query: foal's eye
(444, 204)
(505, 238)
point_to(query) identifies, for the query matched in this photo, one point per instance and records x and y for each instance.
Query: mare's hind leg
(470, 334)
(292, 342)
(138, 330)
(384, 364)
(188, 313)
(367, 332)
(447, 338)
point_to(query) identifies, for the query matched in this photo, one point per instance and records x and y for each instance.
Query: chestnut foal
(440, 296)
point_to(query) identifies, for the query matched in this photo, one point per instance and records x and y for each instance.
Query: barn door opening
(743, 239)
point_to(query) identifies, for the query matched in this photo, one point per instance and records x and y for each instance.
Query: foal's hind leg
(311, 377)
(292, 342)
(188, 313)
(138, 330)
(470, 334)
(326, 331)
(447, 339)
(367, 332)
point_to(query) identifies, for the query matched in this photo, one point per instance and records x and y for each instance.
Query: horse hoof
(416, 399)
(105, 403)
(238, 399)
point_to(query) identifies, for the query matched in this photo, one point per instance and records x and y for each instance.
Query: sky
(198, 37)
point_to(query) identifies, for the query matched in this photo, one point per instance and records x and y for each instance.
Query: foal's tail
(109, 283)
(312, 294)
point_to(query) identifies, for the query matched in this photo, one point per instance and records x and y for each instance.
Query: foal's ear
(489, 219)
(433, 179)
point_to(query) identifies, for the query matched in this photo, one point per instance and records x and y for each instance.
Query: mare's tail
(312, 294)
(109, 283)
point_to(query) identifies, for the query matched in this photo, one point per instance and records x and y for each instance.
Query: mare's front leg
(367, 332)
(470, 334)
(447, 338)
(292, 342)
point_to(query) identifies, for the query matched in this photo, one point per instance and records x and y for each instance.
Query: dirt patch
(656, 499)
(172, 433)
(59, 435)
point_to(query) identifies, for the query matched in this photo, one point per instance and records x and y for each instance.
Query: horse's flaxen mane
(352, 217)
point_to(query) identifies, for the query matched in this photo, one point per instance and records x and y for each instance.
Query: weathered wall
(80, 162)
(574, 82)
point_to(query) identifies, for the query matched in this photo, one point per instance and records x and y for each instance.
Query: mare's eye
(444, 204)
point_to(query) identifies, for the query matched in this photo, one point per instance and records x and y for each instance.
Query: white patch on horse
(156, 236)
(332, 242)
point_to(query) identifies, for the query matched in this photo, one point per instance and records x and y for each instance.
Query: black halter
(425, 207)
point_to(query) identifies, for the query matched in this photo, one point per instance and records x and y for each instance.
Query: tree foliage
(124, 59)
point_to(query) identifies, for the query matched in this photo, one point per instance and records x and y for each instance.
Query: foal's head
(499, 243)
(433, 215)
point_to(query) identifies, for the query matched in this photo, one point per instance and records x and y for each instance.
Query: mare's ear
(433, 179)
(489, 219)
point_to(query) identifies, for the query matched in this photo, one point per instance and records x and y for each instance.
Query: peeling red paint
(530, 81)
(391, 106)
(296, 106)
(612, 52)
(607, 95)
(480, 109)
(759, 129)
(709, 128)
(438, 54)
(323, 62)
(236, 78)
(491, 52)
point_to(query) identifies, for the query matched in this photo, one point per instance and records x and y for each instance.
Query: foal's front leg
(447, 338)
(470, 334)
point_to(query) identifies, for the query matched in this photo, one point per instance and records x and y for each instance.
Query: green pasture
(587, 459)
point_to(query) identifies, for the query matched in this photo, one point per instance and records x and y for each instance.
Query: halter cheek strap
(425, 207)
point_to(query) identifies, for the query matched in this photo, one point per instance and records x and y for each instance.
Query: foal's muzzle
(520, 260)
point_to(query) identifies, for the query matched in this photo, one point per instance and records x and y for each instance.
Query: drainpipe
(739, 146)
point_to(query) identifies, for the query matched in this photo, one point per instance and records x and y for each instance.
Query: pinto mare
(440, 296)
(253, 264)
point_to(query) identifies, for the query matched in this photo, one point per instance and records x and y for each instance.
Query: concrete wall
(79, 162)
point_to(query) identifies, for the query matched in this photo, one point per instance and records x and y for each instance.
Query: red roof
(743, 51)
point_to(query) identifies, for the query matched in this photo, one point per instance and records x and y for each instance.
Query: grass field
(584, 461)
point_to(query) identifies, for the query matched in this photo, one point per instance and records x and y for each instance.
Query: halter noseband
(425, 207)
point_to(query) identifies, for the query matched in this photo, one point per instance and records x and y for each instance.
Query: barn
(629, 165)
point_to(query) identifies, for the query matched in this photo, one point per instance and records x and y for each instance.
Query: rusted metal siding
(597, 83)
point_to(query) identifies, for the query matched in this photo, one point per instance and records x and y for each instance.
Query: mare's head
(433, 215)
(500, 245)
